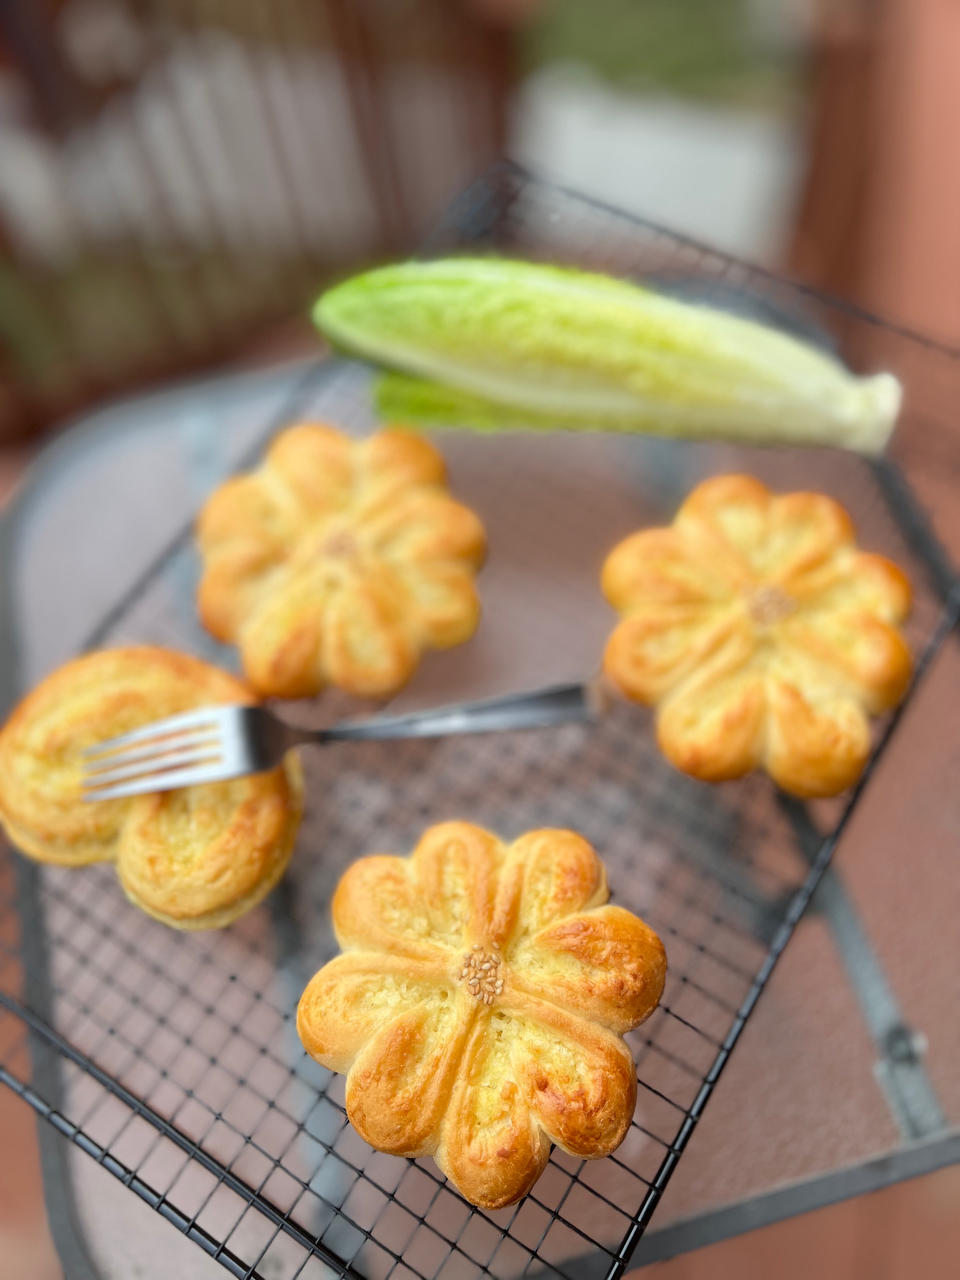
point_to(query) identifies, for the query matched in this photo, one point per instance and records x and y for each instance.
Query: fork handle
(559, 704)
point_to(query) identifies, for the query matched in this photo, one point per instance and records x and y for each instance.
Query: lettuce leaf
(487, 343)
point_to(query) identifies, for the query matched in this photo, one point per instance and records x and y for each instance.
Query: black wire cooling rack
(172, 1059)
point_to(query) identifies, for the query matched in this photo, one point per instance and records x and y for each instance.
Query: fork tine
(154, 751)
(170, 781)
(153, 765)
(172, 726)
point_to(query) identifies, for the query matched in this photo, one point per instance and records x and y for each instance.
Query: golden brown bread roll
(762, 634)
(479, 1005)
(339, 562)
(196, 858)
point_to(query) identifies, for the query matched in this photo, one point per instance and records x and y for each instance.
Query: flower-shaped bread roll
(762, 634)
(196, 858)
(479, 1004)
(339, 562)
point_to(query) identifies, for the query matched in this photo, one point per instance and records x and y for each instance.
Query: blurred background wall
(179, 177)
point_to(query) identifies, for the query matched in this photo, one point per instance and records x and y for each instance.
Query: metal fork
(212, 744)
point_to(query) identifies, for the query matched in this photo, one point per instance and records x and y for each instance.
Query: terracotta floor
(26, 1250)
(909, 1230)
(904, 1232)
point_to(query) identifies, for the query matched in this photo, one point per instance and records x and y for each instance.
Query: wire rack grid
(172, 1060)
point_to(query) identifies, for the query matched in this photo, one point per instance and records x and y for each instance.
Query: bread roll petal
(315, 464)
(575, 1077)
(814, 748)
(244, 509)
(658, 568)
(547, 875)
(730, 515)
(860, 654)
(199, 857)
(454, 870)
(444, 602)
(355, 996)
(805, 531)
(232, 582)
(714, 729)
(650, 653)
(281, 642)
(398, 1089)
(425, 525)
(491, 1148)
(606, 965)
(395, 459)
(855, 581)
(378, 907)
(368, 647)
(579, 1080)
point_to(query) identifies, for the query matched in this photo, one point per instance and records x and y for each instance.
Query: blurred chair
(177, 177)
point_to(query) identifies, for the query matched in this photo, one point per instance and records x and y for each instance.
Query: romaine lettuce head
(490, 341)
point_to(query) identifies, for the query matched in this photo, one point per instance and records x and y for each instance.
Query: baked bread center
(341, 545)
(769, 604)
(481, 973)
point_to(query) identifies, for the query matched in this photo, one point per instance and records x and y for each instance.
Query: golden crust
(196, 858)
(339, 562)
(478, 1006)
(762, 634)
